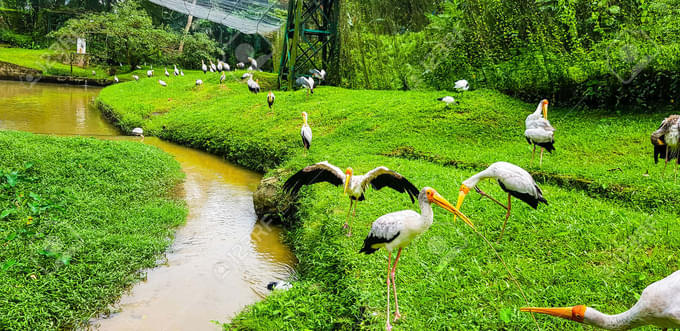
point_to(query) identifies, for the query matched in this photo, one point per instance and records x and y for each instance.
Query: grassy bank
(79, 218)
(605, 235)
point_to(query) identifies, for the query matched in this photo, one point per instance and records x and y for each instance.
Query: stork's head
(433, 197)
(576, 313)
(544, 106)
(464, 190)
(348, 178)
(304, 116)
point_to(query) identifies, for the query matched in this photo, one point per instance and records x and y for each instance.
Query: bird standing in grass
(512, 179)
(320, 75)
(115, 78)
(253, 85)
(240, 65)
(204, 67)
(199, 82)
(305, 132)
(162, 83)
(461, 85)
(138, 132)
(222, 79)
(306, 82)
(176, 71)
(181, 73)
(396, 230)
(149, 73)
(253, 63)
(659, 305)
(666, 140)
(219, 65)
(270, 101)
(135, 77)
(354, 186)
(167, 74)
(213, 68)
(539, 131)
(447, 99)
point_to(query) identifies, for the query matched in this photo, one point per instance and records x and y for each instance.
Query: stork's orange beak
(545, 109)
(441, 202)
(575, 313)
(660, 142)
(348, 178)
(464, 190)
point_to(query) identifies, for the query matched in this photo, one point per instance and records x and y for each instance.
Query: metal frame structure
(311, 40)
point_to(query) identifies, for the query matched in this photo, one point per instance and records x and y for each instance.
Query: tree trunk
(186, 30)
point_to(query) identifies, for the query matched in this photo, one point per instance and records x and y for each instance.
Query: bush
(15, 39)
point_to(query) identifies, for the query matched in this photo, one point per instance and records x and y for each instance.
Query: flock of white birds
(658, 305)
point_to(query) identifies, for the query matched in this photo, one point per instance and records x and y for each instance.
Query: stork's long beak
(575, 313)
(347, 180)
(661, 143)
(545, 111)
(441, 202)
(464, 190)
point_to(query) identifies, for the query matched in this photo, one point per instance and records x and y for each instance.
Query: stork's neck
(426, 213)
(624, 321)
(472, 181)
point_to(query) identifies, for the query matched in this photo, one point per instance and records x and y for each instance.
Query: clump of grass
(79, 218)
(584, 248)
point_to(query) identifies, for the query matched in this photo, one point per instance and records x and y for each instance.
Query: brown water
(220, 261)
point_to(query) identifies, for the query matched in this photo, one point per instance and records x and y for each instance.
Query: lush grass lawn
(39, 59)
(605, 235)
(79, 218)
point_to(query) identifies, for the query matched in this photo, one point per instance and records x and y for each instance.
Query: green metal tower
(311, 40)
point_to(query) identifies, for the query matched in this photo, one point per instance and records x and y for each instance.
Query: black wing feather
(309, 177)
(396, 182)
(548, 146)
(526, 197)
(372, 240)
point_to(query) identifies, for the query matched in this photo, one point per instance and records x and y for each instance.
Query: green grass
(79, 219)
(605, 236)
(40, 59)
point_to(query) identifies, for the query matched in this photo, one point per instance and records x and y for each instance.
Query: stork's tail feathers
(440, 99)
(548, 146)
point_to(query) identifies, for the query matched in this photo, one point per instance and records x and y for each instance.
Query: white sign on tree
(81, 46)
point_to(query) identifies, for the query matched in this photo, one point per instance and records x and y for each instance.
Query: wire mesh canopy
(247, 16)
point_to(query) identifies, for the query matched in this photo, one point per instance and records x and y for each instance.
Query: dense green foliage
(608, 232)
(613, 53)
(79, 219)
(48, 63)
(127, 35)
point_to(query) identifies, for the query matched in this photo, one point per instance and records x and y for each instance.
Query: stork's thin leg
(507, 215)
(346, 225)
(388, 326)
(532, 156)
(540, 163)
(397, 315)
(354, 215)
(491, 198)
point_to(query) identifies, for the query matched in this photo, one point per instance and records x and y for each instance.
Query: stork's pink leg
(507, 215)
(532, 156)
(397, 315)
(666, 162)
(540, 163)
(346, 225)
(388, 326)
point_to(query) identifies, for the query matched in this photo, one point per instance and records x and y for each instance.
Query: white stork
(181, 73)
(253, 85)
(138, 132)
(461, 85)
(354, 186)
(539, 131)
(226, 66)
(240, 65)
(306, 82)
(199, 82)
(176, 71)
(305, 132)
(115, 78)
(396, 230)
(138, 67)
(167, 74)
(447, 100)
(164, 84)
(659, 305)
(135, 77)
(320, 75)
(219, 65)
(246, 75)
(94, 73)
(253, 63)
(213, 68)
(222, 79)
(149, 73)
(270, 99)
(512, 179)
(666, 140)
(204, 67)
